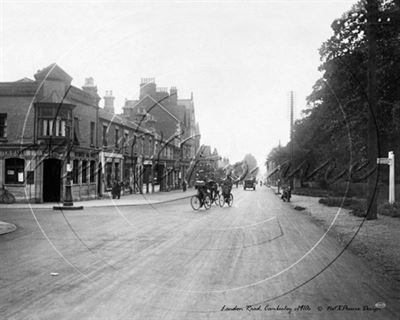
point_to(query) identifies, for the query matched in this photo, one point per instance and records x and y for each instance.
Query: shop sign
(11, 153)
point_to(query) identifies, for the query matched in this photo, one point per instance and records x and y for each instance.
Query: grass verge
(358, 206)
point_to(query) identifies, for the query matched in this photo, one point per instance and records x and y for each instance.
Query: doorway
(51, 180)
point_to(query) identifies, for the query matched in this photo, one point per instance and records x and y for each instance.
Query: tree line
(333, 126)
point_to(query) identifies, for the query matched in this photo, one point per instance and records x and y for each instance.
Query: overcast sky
(239, 58)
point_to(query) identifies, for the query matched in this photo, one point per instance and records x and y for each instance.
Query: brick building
(174, 123)
(43, 121)
(127, 149)
(50, 128)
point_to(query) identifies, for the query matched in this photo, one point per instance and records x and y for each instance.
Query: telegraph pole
(372, 12)
(291, 137)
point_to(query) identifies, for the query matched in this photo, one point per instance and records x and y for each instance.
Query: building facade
(173, 121)
(51, 130)
(48, 123)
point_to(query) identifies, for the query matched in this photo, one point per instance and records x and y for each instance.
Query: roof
(53, 72)
(25, 80)
(18, 88)
(118, 119)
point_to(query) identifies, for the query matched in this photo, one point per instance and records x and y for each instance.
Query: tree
(334, 123)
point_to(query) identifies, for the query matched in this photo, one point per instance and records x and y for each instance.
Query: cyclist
(201, 186)
(212, 186)
(227, 186)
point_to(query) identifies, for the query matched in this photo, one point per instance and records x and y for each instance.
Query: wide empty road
(259, 259)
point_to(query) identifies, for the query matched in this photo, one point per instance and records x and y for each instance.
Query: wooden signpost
(390, 161)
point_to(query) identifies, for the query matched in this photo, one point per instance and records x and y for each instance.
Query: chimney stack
(89, 86)
(147, 87)
(109, 101)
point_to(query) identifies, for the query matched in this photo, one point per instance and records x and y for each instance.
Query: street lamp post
(68, 194)
(68, 203)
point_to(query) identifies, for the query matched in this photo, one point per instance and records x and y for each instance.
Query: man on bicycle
(201, 185)
(212, 186)
(227, 186)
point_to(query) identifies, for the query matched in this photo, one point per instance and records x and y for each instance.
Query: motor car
(249, 184)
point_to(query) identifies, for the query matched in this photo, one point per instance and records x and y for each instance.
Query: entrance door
(51, 180)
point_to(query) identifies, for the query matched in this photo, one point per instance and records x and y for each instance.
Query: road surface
(259, 259)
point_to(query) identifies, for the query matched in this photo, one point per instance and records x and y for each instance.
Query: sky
(239, 58)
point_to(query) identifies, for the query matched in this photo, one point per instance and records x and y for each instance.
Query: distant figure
(184, 185)
(116, 190)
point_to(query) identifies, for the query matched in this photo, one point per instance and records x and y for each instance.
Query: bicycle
(226, 197)
(6, 196)
(198, 201)
(216, 198)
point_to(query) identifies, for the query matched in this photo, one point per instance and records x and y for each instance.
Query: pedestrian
(118, 189)
(114, 189)
(184, 185)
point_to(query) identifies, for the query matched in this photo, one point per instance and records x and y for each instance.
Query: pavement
(167, 261)
(106, 201)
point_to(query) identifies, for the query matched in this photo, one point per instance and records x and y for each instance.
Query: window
(53, 120)
(150, 147)
(15, 171)
(77, 135)
(126, 139)
(92, 132)
(104, 135)
(3, 125)
(75, 171)
(84, 171)
(92, 171)
(30, 177)
(116, 137)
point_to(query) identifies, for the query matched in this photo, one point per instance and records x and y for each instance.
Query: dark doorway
(99, 180)
(51, 180)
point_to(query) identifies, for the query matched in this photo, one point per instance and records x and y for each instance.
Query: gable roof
(157, 103)
(53, 72)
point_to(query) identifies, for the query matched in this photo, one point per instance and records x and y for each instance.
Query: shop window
(84, 171)
(3, 125)
(30, 177)
(75, 171)
(92, 171)
(14, 171)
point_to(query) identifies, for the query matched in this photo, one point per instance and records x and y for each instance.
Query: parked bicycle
(6, 196)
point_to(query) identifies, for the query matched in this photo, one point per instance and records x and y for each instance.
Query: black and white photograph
(199, 159)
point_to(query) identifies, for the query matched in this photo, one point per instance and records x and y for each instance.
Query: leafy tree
(334, 123)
